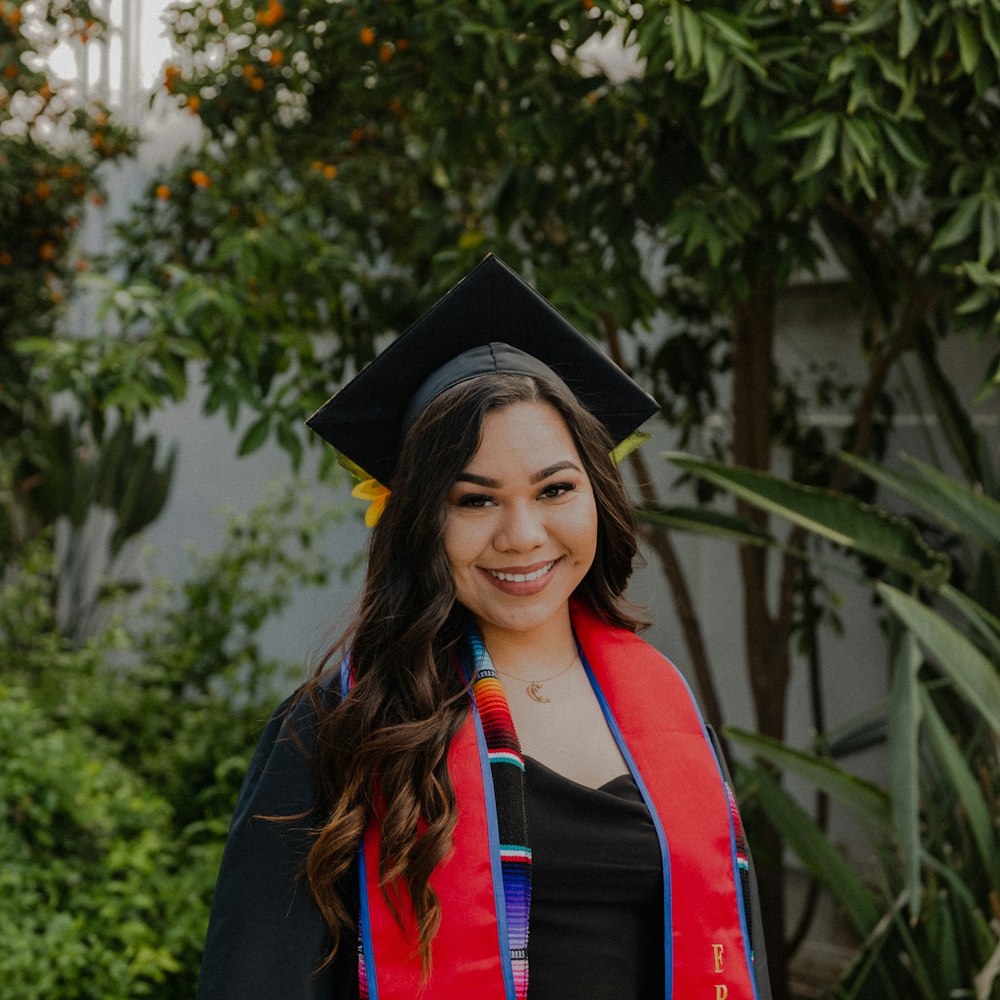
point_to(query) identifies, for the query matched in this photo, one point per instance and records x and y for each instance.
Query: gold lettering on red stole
(717, 951)
(721, 991)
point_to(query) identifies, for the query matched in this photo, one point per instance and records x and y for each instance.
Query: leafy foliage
(123, 758)
(358, 158)
(53, 145)
(928, 920)
(92, 903)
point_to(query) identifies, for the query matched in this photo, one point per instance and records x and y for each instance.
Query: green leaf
(974, 676)
(960, 226)
(917, 957)
(969, 41)
(985, 624)
(981, 275)
(677, 32)
(892, 71)
(352, 467)
(715, 60)
(727, 28)
(989, 20)
(440, 176)
(966, 786)
(806, 127)
(866, 800)
(878, 17)
(978, 515)
(820, 150)
(511, 49)
(818, 854)
(255, 436)
(718, 88)
(979, 299)
(904, 759)
(904, 140)
(693, 34)
(704, 521)
(861, 732)
(948, 501)
(863, 138)
(696, 235)
(909, 27)
(842, 519)
(290, 442)
(911, 90)
(989, 231)
(751, 62)
(844, 63)
(964, 440)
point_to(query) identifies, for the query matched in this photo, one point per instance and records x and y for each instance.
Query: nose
(521, 529)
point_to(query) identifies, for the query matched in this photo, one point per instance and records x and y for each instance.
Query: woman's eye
(474, 500)
(557, 490)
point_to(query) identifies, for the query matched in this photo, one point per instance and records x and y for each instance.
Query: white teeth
(522, 577)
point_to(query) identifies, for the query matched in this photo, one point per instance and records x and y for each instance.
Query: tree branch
(861, 440)
(661, 543)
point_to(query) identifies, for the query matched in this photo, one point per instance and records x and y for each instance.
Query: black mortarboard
(491, 307)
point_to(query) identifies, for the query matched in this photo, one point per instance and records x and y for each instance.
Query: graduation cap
(491, 321)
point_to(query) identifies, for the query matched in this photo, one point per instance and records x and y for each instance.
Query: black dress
(597, 890)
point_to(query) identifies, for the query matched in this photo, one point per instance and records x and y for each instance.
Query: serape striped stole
(485, 884)
(507, 771)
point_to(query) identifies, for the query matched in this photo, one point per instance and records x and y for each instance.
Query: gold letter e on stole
(721, 991)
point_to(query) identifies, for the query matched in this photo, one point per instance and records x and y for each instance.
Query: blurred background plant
(123, 754)
(927, 912)
(53, 145)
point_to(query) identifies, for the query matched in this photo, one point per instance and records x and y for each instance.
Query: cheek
(461, 543)
(585, 529)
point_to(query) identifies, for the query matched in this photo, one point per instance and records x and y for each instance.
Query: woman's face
(520, 529)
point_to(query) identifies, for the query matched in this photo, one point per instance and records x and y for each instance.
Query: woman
(501, 785)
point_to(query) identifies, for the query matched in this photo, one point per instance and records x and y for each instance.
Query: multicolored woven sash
(507, 770)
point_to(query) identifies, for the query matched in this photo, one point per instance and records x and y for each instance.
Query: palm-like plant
(928, 919)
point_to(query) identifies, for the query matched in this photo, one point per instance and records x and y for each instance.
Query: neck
(530, 652)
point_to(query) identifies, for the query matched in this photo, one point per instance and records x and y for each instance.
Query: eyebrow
(494, 484)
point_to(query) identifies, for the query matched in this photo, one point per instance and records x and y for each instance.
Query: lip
(522, 588)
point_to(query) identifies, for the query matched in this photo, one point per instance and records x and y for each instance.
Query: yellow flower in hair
(377, 494)
(619, 454)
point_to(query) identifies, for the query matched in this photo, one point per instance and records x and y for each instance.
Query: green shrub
(90, 861)
(122, 757)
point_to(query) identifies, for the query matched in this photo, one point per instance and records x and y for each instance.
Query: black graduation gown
(266, 936)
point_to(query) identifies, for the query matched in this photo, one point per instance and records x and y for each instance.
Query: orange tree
(53, 143)
(359, 156)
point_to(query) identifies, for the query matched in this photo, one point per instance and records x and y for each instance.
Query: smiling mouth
(522, 577)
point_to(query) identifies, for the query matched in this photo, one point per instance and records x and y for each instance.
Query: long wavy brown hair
(381, 753)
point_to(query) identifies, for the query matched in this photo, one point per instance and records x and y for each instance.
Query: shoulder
(279, 780)
(305, 709)
(266, 936)
(605, 638)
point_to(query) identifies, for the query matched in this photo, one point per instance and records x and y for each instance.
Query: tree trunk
(660, 542)
(766, 634)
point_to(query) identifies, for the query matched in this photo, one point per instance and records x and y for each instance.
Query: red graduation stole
(652, 714)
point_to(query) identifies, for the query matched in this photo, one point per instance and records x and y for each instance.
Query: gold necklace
(534, 688)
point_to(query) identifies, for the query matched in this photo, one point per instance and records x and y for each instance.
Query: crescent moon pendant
(535, 690)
